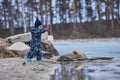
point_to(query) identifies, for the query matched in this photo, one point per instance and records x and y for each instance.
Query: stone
(48, 48)
(46, 45)
(20, 47)
(24, 37)
(75, 55)
(4, 53)
(79, 55)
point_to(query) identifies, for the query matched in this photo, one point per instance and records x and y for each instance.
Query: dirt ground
(20, 69)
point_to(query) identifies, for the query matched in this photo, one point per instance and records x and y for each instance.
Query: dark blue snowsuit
(35, 49)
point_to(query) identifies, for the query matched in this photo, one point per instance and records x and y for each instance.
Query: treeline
(22, 13)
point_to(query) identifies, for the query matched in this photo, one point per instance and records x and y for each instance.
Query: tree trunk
(118, 9)
(10, 18)
(17, 11)
(51, 16)
(46, 13)
(106, 11)
(74, 19)
(4, 3)
(69, 12)
(79, 10)
(23, 17)
(41, 10)
(112, 19)
(98, 7)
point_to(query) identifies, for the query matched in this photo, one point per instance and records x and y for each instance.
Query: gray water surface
(92, 48)
(89, 69)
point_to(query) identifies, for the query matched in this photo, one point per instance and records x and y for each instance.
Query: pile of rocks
(20, 44)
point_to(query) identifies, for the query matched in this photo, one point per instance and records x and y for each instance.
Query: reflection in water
(70, 71)
(89, 70)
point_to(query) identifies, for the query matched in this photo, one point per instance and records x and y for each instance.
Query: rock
(48, 46)
(20, 47)
(75, 55)
(4, 53)
(25, 37)
(44, 36)
(50, 38)
(54, 58)
(9, 54)
(3, 43)
(79, 55)
(48, 49)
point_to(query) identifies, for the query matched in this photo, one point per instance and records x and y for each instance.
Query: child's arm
(45, 29)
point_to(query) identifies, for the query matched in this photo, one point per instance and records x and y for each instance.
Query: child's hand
(48, 27)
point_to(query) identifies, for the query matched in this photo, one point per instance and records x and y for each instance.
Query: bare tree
(99, 9)
(69, 11)
(51, 16)
(23, 17)
(41, 9)
(4, 6)
(17, 12)
(112, 19)
(79, 10)
(74, 19)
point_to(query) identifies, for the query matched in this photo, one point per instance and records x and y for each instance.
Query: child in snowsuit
(35, 49)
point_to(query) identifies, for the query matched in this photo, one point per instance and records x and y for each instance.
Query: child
(35, 49)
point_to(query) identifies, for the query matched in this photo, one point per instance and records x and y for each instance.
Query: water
(92, 48)
(89, 70)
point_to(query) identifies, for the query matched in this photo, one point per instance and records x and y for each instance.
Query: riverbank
(18, 69)
(94, 69)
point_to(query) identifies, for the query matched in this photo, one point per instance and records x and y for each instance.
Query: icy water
(108, 69)
(92, 48)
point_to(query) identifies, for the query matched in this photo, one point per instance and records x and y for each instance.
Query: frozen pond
(92, 48)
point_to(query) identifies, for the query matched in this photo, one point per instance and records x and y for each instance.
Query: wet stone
(117, 65)
(116, 72)
(91, 70)
(104, 70)
(101, 58)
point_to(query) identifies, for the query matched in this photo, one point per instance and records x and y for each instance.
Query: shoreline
(14, 69)
(89, 39)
